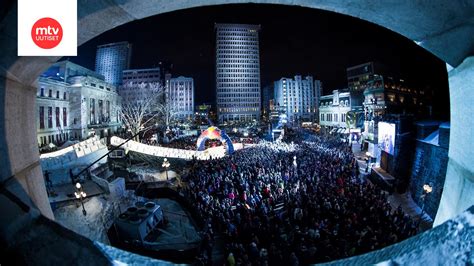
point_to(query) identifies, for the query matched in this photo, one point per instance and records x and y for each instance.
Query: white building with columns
(95, 107)
(333, 109)
(52, 111)
(61, 110)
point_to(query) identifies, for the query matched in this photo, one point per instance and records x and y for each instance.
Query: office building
(139, 84)
(358, 76)
(179, 97)
(145, 75)
(112, 59)
(385, 97)
(237, 73)
(297, 97)
(268, 97)
(318, 89)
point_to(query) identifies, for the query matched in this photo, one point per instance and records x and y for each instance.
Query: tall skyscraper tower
(237, 72)
(112, 59)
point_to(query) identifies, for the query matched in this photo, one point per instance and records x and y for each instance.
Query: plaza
(306, 197)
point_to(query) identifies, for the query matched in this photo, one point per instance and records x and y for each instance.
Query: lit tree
(141, 106)
(168, 113)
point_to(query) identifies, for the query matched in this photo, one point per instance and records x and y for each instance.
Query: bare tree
(168, 113)
(141, 106)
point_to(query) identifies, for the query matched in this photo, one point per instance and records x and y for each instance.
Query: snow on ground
(101, 212)
(458, 248)
(151, 174)
(119, 257)
(143, 171)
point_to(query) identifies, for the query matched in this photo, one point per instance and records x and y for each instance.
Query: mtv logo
(47, 28)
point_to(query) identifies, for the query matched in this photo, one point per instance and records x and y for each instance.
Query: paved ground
(411, 208)
(218, 251)
(360, 157)
(405, 200)
(180, 232)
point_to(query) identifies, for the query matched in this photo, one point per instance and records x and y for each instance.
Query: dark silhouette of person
(49, 184)
(71, 175)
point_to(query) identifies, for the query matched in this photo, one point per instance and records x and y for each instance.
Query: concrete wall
(447, 244)
(429, 166)
(458, 192)
(443, 27)
(75, 157)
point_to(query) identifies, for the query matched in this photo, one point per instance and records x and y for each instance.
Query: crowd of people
(294, 202)
(186, 143)
(190, 142)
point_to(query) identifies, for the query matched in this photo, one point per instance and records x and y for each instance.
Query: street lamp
(427, 189)
(166, 164)
(80, 194)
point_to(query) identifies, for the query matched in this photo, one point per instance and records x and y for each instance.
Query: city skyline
(293, 41)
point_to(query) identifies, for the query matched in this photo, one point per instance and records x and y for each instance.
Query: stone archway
(444, 28)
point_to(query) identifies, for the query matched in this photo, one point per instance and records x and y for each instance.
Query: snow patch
(453, 247)
(385, 263)
(101, 212)
(119, 257)
(467, 218)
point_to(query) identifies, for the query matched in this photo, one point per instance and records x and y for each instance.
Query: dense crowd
(186, 143)
(293, 203)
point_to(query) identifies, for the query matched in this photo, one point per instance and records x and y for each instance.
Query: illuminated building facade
(237, 72)
(333, 109)
(95, 107)
(137, 83)
(180, 97)
(298, 98)
(112, 59)
(52, 111)
(74, 103)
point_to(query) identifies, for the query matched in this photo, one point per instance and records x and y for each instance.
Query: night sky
(293, 40)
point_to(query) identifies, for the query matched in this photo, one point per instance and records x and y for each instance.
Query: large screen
(387, 137)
